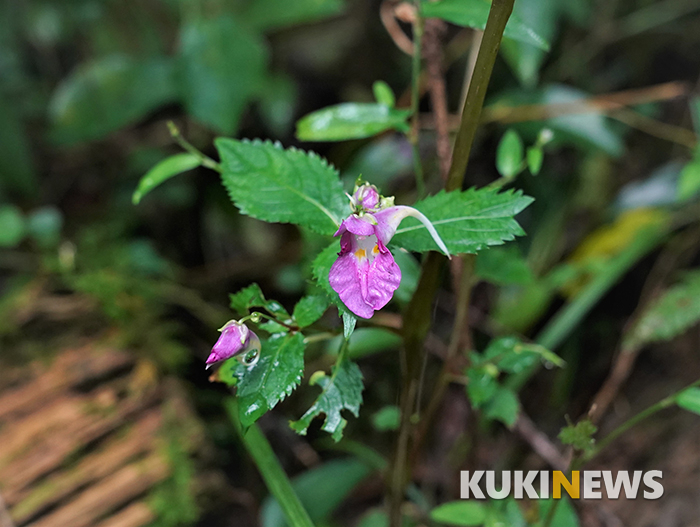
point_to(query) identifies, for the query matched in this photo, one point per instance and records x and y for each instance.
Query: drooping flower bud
(235, 340)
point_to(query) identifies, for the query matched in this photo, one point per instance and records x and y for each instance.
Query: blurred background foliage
(86, 90)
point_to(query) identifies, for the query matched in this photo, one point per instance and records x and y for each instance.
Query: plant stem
(488, 50)
(418, 27)
(205, 160)
(417, 318)
(270, 469)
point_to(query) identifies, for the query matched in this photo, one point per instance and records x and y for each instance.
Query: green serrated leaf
(272, 184)
(384, 94)
(504, 265)
(672, 314)
(342, 390)
(252, 296)
(689, 400)
(580, 435)
(275, 376)
(309, 309)
(273, 327)
(474, 13)
(503, 407)
(110, 93)
(509, 155)
(535, 157)
(351, 121)
(462, 513)
(467, 221)
(167, 168)
(267, 15)
(223, 68)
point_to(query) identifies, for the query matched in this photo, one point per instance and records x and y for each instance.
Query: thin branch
(387, 14)
(539, 442)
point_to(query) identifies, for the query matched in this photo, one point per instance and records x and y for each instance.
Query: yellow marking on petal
(375, 250)
(360, 254)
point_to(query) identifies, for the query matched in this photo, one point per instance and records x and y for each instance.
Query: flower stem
(204, 159)
(417, 318)
(488, 50)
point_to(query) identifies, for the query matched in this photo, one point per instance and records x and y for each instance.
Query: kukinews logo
(587, 484)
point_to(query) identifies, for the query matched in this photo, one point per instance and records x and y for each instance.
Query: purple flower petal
(361, 226)
(364, 282)
(367, 197)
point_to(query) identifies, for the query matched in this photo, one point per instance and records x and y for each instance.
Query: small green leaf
(282, 186)
(461, 513)
(273, 327)
(167, 168)
(580, 436)
(482, 384)
(309, 309)
(565, 515)
(670, 315)
(252, 296)
(351, 121)
(223, 68)
(503, 407)
(268, 15)
(349, 323)
(342, 390)
(12, 225)
(512, 355)
(535, 157)
(387, 418)
(384, 94)
(509, 155)
(689, 179)
(275, 376)
(467, 221)
(504, 265)
(107, 94)
(689, 400)
(474, 13)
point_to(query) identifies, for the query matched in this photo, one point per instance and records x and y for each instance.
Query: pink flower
(235, 339)
(365, 274)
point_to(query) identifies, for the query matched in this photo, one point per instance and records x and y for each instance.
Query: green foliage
(269, 15)
(252, 296)
(223, 68)
(509, 155)
(44, 226)
(321, 490)
(384, 94)
(534, 157)
(511, 355)
(589, 130)
(282, 186)
(673, 313)
(109, 93)
(309, 309)
(17, 172)
(12, 226)
(342, 390)
(461, 513)
(474, 13)
(689, 180)
(467, 221)
(689, 400)
(388, 418)
(366, 341)
(564, 516)
(167, 168)
(579, 436)
(482, 384)
(503, 406)
(276, 374)
(320, 268)
(503, 265)
(352, 120)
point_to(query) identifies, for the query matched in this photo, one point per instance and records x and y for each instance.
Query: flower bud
(235, 339)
